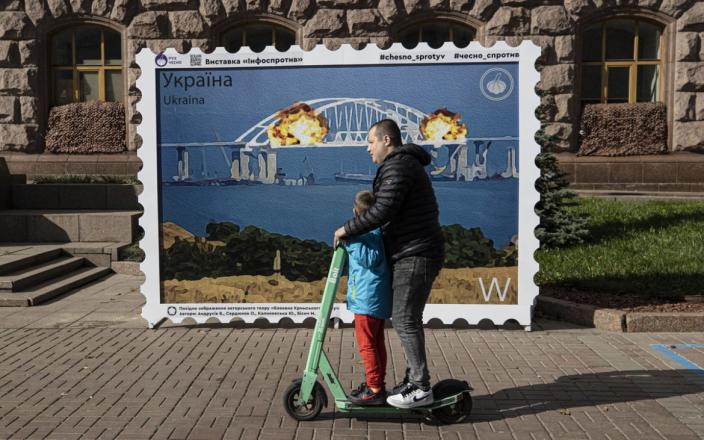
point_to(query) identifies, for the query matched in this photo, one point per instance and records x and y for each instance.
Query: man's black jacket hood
(414, 150)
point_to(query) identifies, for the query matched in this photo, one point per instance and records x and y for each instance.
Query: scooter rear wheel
(300, 410)
(457, 412)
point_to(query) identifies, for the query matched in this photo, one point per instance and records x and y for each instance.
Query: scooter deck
(347, 406)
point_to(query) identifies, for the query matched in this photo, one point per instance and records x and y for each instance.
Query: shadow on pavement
(586, 390)
(571, 392)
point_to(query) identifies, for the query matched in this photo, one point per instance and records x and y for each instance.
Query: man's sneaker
(411, 396)
(360, 389)
(367, 397)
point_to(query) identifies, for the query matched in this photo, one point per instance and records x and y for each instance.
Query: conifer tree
(558, 226)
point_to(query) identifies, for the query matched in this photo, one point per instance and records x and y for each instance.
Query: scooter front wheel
(300, 410)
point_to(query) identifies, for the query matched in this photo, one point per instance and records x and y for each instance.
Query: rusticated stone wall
(158, 24)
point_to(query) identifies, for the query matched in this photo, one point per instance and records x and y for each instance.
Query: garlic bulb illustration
(496, 85)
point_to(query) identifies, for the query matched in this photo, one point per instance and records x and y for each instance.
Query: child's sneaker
(411, 396)
(360, 389)
(367, 397)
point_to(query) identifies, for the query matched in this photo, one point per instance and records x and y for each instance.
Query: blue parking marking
(665, 350)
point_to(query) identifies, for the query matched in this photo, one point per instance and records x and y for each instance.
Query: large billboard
(252, 160)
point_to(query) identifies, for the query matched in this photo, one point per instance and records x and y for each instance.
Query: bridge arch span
(349, 120)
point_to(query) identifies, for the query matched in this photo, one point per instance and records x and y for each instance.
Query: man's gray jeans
(412, 280)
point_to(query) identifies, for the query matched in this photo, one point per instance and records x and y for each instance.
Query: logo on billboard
(496, 84)
(161, 59)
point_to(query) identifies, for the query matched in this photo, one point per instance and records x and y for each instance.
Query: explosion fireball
(443, 124)
(298, 124)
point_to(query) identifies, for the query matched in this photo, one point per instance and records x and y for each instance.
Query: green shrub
(186, 260)
(558, 226)
(467, 247)
(131, 253)
(250, 251)
(221, 231)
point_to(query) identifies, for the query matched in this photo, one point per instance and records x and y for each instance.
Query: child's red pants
(370, 339)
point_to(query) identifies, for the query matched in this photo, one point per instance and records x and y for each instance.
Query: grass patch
(85, 179)
(651, 248)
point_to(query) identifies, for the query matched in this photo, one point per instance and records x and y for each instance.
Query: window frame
(223, 28)
(422, 25)
(45, 33)
(448, 18)
(76, 69)
(668, 36)
(632, 64)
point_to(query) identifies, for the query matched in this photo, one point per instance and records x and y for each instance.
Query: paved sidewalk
(86, 366)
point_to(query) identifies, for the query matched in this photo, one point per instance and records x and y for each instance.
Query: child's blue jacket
(369, 283)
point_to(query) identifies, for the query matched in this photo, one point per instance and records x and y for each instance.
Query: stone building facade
(566, 31)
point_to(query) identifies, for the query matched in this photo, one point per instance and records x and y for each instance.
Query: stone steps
(98, 253)
(32, 278)
(10, 263)
(42, 226)
(37, 274)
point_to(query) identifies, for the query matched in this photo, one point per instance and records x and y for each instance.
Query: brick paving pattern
(86, 366)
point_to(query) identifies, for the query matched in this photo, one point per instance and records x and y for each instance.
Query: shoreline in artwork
(284, 269)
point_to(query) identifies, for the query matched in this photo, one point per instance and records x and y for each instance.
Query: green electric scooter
(305, 397)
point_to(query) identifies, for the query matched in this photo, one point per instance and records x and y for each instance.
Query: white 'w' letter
(494, 284)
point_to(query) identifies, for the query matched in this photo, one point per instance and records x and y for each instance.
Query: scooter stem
(331, 284)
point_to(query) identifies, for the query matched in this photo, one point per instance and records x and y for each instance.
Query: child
(369, 298)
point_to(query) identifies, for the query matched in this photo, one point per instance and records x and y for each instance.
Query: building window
(622, 61)
(257, 36)
(436, 33)
(86, 65)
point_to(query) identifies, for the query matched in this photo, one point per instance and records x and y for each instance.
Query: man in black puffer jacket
(407, 211)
